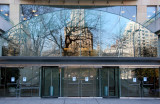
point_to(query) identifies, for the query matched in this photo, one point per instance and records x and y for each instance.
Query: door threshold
(139, 98)
(82, 97)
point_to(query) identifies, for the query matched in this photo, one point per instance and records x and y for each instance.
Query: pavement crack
(97, 101)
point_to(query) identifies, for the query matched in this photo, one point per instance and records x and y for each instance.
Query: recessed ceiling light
(24, 18)
(154, 11)
(133, 16)
(33, 11)
(22, 15)
(122, 11)
(36, 15)
(6, 14)
(1, 10)
(149, 15)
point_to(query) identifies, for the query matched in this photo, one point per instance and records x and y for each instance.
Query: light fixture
(154, 11)
(149, 15)
(33, 11)
(6, 14)
(122, 12)
(24, 18)
(22, 15)
(36, 15)
(1, 10)
(133, 16)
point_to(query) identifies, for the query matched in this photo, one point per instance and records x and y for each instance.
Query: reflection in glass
(13, 84)
(79, 82)
(110, 82)
(145, 85)
(50, 82)
(151, 11)
(4, 9)
(80, 32)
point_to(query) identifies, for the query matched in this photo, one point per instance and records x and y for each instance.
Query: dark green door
(110, 81)
(50, 82)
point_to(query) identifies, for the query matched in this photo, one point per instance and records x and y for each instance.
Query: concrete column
(141, 13)
(14, 13)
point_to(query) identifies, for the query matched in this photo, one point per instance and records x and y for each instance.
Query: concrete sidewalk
(33, 100)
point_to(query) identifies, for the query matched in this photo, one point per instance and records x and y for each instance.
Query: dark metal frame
(88, 61)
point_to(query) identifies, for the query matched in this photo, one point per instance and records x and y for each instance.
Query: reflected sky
(82, 32)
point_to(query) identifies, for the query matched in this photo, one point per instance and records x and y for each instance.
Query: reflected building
(136, 41)
(78, 37)
(139, 42)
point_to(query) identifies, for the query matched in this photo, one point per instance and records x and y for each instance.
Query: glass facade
(79, 32)
(98, 31)
(78, 81)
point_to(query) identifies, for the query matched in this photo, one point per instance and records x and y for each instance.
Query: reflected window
(151, 11)
(30, 11)
(4, 9)
(129, 12)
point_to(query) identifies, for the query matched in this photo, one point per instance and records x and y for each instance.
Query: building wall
(141, 5)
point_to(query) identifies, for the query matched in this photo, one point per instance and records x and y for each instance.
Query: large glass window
(140, 82)
(80, 32)
(19, 81)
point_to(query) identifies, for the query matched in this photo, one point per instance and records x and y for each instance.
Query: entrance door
(79, 82)
(110, 79)
(142, 82)
(50, 82)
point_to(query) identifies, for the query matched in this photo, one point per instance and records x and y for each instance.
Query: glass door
(79, 82)
(50, 82)
(109, 78)
(89, 82)
(149, 82)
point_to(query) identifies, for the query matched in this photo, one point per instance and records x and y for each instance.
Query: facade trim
(74, 61)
